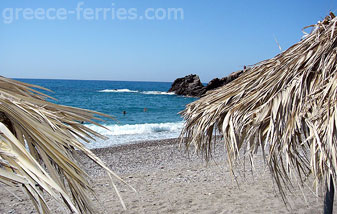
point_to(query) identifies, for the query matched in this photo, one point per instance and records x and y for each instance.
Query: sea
(142, 111)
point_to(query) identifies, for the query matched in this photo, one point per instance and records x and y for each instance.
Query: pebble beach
(170, 180)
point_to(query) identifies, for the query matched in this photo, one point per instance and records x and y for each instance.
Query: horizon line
(18, 78)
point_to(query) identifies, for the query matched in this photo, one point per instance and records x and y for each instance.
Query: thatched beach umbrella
(38, 140)
(286, 106)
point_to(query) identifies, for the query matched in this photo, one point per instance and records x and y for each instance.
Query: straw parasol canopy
(285, 106)
(38, 140)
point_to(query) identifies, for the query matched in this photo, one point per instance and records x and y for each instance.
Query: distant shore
(169, 180)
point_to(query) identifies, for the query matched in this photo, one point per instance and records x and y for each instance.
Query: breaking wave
(157, 92)
(136, 91)
(118, 91)
(121, 134)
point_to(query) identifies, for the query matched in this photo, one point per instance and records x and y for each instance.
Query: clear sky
(209, 38)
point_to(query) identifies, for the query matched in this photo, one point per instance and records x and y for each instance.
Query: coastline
(169, 180)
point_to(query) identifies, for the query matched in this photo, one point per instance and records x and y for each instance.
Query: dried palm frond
(286, 106)
(38, 140)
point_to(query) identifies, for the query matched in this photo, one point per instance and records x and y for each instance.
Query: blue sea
(151, 112)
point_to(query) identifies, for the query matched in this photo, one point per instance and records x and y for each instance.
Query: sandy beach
(168, 180)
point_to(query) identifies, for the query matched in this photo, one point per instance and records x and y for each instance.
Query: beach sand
(168, 180)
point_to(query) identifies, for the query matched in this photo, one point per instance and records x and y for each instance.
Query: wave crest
(137, 129)
(158, 92)
(125, 90)
(118, 91)
(122, 134)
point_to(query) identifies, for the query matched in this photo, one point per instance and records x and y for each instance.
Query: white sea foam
(158, 92)
(121, 134)
(125, 90)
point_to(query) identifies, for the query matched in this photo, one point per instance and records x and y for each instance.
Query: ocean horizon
(141, 110)
(103, 80)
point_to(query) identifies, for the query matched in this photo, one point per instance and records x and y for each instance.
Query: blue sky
(213, 39)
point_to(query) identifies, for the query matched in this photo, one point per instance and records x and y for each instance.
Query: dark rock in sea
(188, 86)
(216, 82)
(191, 86)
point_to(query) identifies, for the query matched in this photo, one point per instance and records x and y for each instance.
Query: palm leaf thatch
(286, 106)
(38, 140)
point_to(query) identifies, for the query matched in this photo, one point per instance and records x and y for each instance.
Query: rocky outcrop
(216, 82)
(191, 86)
(188, 86)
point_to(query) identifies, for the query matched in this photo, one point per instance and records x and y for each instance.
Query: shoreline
(134, 144)
(131, 157)
(168, 180)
